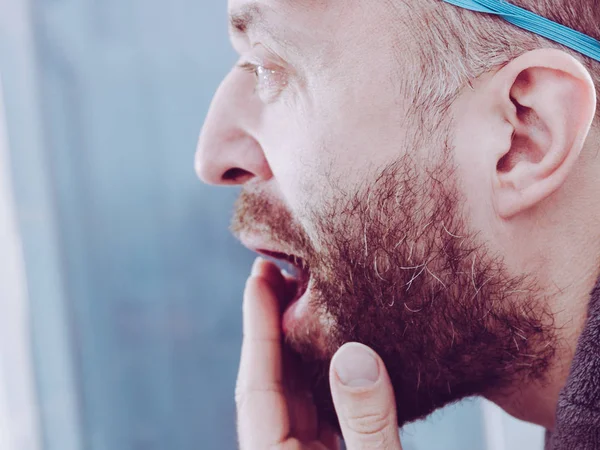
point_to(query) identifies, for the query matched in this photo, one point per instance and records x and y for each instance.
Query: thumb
(364, 399)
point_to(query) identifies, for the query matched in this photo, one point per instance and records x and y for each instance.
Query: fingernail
(256, 266)
(356, 366)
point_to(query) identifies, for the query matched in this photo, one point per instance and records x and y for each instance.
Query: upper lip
(298, 275)
(265, 247)
(275, 250)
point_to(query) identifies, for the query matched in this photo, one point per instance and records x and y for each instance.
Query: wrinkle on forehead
(312, 5)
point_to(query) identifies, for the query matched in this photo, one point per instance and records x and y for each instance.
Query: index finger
(263, 419)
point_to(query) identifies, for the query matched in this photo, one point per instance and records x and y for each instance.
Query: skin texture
(460, 245)
(273, 410)
(447, 320)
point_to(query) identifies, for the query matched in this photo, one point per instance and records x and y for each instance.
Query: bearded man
(429, 171)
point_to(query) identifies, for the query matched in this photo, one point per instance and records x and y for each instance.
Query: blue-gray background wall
(137, 340)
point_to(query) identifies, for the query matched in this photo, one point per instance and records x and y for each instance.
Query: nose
(227, 152)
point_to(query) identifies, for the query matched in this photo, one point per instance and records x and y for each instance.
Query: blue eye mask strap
(529, 21)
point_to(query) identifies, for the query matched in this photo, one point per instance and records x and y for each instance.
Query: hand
(273, 416)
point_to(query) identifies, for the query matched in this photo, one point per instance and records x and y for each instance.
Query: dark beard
(400, 271)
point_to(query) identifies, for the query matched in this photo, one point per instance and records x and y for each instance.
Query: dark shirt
(578, 411)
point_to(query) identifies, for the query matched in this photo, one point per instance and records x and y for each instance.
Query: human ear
(549, 100)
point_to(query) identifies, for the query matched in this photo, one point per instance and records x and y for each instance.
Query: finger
(304, 423)
(364, 399)
(272, 274)
(284, 286)
(262, 412)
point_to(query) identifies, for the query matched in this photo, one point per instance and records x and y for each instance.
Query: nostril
(236, 175)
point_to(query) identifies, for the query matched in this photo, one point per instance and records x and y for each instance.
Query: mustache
(259, 213)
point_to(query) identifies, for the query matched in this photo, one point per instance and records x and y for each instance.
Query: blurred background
(120, 285)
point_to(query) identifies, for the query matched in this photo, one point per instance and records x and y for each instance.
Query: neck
(537, 402)
(569, 254)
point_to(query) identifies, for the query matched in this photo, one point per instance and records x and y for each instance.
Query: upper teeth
(291, 271)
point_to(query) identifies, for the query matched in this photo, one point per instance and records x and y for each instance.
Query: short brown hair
(464, 44)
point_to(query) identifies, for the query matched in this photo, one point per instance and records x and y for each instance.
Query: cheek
(302, 163)
(320, 151)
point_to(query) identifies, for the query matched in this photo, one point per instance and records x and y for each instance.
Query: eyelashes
(269, 83)
(250, 68)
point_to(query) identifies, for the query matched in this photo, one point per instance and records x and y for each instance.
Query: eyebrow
(246, 18)
(253, 18)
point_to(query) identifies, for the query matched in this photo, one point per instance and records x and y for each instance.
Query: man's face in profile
(344, 176)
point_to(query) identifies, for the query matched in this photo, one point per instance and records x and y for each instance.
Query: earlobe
(549, 99)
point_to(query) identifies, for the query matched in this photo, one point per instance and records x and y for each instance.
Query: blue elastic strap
(529, 21)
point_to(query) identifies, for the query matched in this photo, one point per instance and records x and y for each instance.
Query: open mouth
(296, 272)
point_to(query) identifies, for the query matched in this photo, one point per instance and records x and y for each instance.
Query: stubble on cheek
(400, 271)
(396, 267)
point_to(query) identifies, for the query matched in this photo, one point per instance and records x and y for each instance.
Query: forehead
(295, 25)
(329, 15)
(321, 30)
(293, 4)
(292, 11)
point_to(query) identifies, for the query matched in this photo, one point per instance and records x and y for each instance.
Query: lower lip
(296, 312)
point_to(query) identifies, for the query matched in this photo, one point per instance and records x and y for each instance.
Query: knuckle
(266, 339)
(245, 393)
(369, 424)
(287, 444)
(240, 397)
